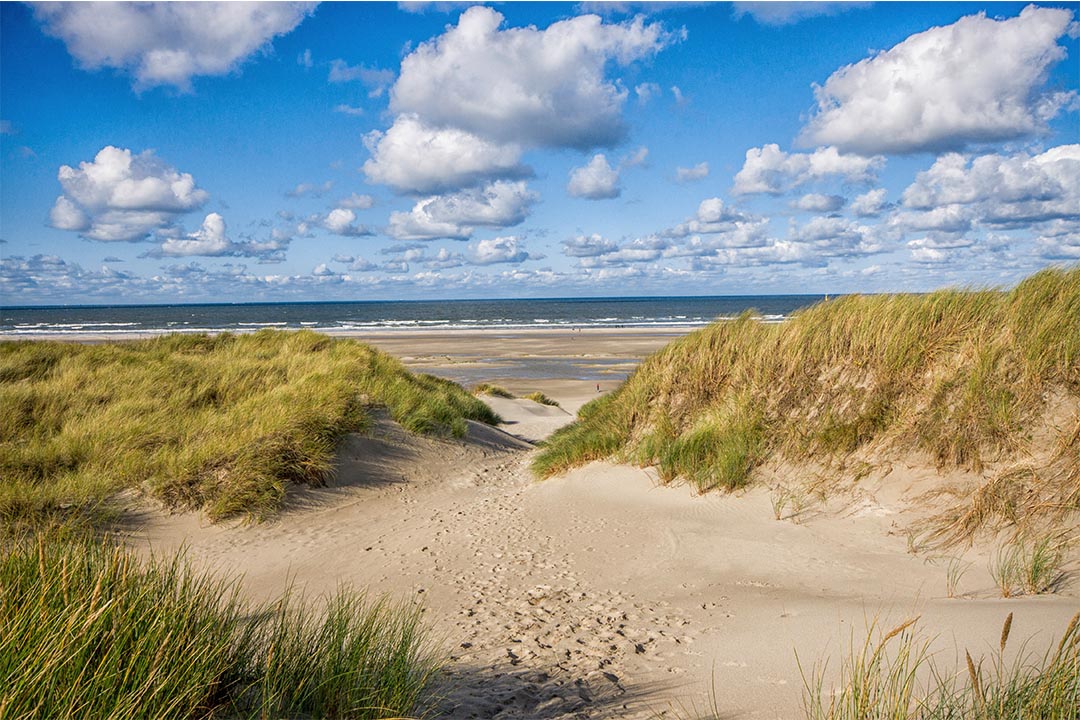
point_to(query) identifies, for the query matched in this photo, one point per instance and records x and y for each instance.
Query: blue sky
(345, 151)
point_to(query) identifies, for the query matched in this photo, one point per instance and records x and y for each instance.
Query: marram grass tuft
(89, 631)
(896, 677)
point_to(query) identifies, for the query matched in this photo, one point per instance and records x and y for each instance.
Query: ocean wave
(141, 332)
(74, 326)
(206, 322)
(375, 326)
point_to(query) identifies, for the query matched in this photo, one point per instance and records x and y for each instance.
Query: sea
(405, 315)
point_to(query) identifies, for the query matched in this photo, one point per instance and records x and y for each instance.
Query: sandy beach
(601, 593)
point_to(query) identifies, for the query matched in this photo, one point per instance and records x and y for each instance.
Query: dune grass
(1026, 495)
(222, 423)
(894, 676)
(1033, 569)
(961, 376)
(493, 390)
(89, 631)
(499, 391)
(955, 569)
(541, 398)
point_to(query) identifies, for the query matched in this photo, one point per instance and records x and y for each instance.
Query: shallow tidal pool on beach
(472, 372)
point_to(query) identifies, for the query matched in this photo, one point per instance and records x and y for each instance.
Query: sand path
(598, 594)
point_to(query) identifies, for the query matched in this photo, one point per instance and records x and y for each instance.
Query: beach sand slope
(600, 593)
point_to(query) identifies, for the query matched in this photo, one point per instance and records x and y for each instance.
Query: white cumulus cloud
(362, 265)
(1059, 240)
(210, 240)
(498, 250)
(816, 202)
(596, 180)
(356, 201)
(121, 196)
(342, 221)
(870, 204)
(524, 85)
(945, 219)
(168, 43)
(415, 157)
(713, 216)
(832, 236)
(639, 250)
(66, 215)
(768, 169)
(588, 246)
(1047, 184)
(454, 216)
(1013, 191)
(977, 80)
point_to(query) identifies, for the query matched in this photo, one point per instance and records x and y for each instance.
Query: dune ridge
(223, 423)
(983, 382)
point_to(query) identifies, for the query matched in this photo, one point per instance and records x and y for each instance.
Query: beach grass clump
(719, 451)
(955, 569)
(493, 390)
(356, 659)
(1030, 495)
(877, 678)
(896, 677)
(541, 398)
(89, 631)
(224, 423)
(779, 498)
(1005, 569)
(85, 631)
(599, 433)
(961, 376)
(1041, 566)
(1034, 569)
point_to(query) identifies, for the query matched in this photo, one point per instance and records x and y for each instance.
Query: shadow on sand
(465, 692)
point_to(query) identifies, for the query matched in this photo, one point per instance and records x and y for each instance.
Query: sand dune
(528, 420)
(601, 593)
